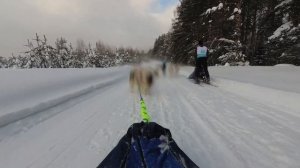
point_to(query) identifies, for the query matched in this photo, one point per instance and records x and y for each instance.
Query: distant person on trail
(201, 63)
(164, 66)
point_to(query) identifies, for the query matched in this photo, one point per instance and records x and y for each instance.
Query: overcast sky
(133, 23)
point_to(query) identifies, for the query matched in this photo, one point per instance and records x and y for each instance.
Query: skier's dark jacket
(147, 146)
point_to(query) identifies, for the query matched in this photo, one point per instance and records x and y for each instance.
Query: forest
(41, 54)
(237, 32)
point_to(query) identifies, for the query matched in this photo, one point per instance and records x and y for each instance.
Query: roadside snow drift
(25, 92)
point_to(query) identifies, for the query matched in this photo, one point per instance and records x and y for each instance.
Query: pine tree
(62, 53)
(3, 62)
(186, 29)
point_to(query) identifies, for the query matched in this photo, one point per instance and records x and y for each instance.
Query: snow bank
(288, 65)
(26, 92)
(287, 101)
(285, 78)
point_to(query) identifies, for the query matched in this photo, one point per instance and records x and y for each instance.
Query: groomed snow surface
(72, 118)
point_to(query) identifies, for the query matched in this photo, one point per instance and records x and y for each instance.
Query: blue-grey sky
(133, 23)
(166, 3)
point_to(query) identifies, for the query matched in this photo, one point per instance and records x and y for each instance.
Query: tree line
(41, 54)
(238, 32)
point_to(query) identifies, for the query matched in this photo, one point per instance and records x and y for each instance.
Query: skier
(201, 63)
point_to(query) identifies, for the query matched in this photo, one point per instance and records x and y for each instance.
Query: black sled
(147, 145)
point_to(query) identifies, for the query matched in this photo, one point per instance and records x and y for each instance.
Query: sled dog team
(143, 78)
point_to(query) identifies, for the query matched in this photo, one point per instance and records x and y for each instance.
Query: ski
(209, 83)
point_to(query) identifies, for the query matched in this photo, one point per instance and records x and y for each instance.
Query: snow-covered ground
(24, 92)
(74, 117)
(281, 77)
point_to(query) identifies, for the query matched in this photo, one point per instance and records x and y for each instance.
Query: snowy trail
(216, 128)
(225, 130)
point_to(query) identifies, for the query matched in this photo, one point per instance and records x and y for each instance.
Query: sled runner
(201, 79)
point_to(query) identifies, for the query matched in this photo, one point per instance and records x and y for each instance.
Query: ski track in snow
(213, 126)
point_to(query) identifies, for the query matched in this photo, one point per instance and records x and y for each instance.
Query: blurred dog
(142, 79)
